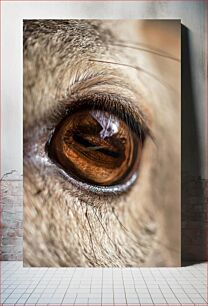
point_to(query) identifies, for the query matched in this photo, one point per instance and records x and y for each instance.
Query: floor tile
(130, 286)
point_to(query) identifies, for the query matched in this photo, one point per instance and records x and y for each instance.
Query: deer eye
(96, 147)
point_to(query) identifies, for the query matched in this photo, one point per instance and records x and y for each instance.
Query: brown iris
(95, 147)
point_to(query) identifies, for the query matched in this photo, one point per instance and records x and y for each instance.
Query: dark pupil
(90, 146)
(95, 146)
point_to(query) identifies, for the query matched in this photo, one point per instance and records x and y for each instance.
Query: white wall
(191, 13)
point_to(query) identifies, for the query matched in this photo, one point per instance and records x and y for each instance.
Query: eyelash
(104, 102)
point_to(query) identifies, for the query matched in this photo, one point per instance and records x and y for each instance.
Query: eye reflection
(96, 147)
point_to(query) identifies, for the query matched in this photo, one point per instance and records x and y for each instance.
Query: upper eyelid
(101, 92)
(111, 102)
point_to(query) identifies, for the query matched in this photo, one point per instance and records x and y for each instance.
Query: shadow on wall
(193, 189)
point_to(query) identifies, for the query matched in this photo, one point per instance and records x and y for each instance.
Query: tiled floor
(130, 286)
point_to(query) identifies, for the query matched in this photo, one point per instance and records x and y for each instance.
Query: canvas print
(102, 143)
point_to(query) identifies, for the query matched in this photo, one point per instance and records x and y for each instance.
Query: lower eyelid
(100, 190)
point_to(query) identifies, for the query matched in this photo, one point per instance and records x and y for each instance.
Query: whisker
(138, 43)
(106, 232)
(147, 46)
(155, 52)
(90, 235)
(138, 69)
